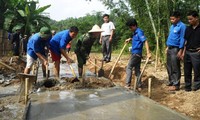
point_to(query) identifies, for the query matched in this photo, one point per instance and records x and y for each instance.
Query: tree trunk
(155, 32)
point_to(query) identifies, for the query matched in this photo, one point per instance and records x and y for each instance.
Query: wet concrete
(99, 104)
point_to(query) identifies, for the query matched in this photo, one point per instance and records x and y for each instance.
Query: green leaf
(22, 13)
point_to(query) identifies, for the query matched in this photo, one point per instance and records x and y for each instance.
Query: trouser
(16, 49)
(134, 61)
(192, 60)
(81, 61)
(173, 67)
(106, 48)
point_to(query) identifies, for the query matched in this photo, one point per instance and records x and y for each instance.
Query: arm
(111, 35)
(182, 41)
(63, 52)
(40, 56)
(100, 40)
(128, 40)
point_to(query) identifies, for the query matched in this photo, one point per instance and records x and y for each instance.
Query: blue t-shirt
(137, 41)
(176, 35)
(36, 45)
(59, 41)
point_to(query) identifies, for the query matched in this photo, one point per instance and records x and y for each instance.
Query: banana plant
(27, 15)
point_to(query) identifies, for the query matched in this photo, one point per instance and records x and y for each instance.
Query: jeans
(173, 67)
(134, 61)
(192, 60)
(106, 48)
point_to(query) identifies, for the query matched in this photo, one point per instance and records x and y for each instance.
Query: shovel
(101, 71)
(110, 75)
(135, 84)
(47, 72)
(74, 74)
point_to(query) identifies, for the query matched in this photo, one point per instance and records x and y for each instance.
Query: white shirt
(107, 28)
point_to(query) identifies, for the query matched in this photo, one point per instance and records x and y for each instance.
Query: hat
(96, 28)
(45, 32)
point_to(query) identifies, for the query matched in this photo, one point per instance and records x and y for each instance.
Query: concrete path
(101, 104)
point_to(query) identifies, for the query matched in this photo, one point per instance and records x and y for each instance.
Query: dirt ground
(187, 103)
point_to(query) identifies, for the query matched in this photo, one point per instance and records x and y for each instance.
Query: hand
(110, 39)
(46, 63)
(128, 40)
(100, 41)
(69, 60)
(179, 54)
(182, 56)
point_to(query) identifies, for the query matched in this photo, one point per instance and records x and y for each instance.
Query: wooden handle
(94, 64)
(74, 74)
(117, 60)
(135, 86)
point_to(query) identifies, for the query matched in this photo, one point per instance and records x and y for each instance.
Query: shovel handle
(47, 72)
(117, 59)
(135, 86)
(94, 64)
(72, 69)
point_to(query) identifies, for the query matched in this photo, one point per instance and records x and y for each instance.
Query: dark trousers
(16, 49)
(134, 61)
(173, 67)
(106, 48)
(192, 60)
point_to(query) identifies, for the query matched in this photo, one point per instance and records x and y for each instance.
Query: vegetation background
(152, 17)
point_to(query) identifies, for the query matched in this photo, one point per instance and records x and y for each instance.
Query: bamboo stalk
(149, 87)
(9, 67)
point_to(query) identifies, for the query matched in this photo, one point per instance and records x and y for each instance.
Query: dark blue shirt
(59, 41)
(176, 35)
(36, 45)
(137, 41)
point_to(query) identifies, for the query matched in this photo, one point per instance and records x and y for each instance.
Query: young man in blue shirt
(137, 39)
(175, 45)
(36, 49)
(58, 46)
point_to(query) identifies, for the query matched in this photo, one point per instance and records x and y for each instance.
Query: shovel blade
(101, 73)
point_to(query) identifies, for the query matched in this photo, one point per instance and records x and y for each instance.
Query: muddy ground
(187, 103)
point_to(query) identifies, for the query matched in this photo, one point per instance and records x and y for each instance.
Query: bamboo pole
(155, 32)
(9, 67)
(26, 90)
(149, 87)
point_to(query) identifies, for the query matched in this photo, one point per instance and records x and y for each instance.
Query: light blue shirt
(176, 35)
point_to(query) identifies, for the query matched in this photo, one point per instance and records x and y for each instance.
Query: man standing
(106, 37)
(136, 53)
(16, 41)
(58, 46)
(192, 52)
(175, 45)
(84, 45)
(36, 49)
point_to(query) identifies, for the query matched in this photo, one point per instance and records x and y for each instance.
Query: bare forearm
(64, 53)
(40, 56)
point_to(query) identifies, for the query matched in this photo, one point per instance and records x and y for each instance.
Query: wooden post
(135, 83)
(95, 68)
(26, 90)
(149, 87)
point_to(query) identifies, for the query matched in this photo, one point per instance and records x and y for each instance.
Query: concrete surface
(100, 104)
